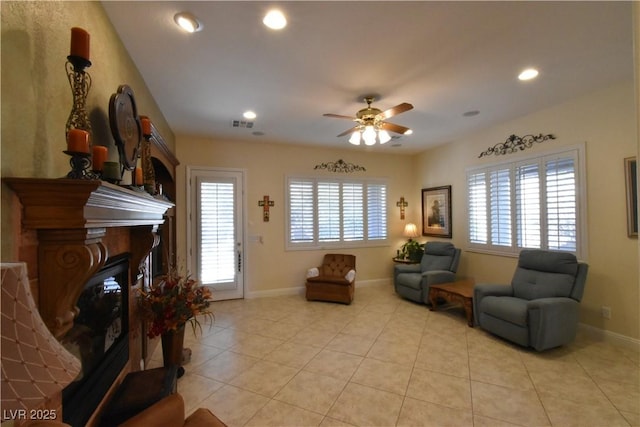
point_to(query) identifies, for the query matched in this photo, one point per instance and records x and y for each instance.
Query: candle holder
(80, 164)
(148, 173)
(80, 82)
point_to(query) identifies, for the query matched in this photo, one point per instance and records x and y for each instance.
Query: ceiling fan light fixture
(369, 135)
(384, 136)
(275, 20)
(371, 125)
(187, 22)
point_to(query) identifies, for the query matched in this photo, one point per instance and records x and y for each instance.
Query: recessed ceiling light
(249, 115)
(275, 20)
(528, 74)
(187, 22)
(408, 132)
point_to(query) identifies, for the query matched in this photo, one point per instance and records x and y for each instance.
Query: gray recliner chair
(438, 265)
(540, 308)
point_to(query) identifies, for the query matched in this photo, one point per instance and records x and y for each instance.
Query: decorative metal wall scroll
(265, 203)
(402, 204)
(340, 166)
(515, 143)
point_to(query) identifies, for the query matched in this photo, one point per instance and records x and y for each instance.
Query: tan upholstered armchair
(334, 280)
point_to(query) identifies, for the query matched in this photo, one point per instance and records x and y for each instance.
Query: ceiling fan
(371, 125)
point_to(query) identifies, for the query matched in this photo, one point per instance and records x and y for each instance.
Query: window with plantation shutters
(531, 203)
(335, 212)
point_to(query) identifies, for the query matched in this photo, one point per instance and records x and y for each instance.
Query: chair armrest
(350, 276)
(482, 290)
(405, 268)
(202, 417)
(168, 412)
(434, 277)
(491, 289)
(552, 321)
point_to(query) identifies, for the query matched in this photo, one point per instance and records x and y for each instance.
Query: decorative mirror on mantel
(125, 126)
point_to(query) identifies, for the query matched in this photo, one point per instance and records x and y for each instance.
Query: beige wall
(36, 97)
(269, 266)
(606, 122)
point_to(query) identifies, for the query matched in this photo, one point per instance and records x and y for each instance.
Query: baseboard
(299, 290)
(610, 337)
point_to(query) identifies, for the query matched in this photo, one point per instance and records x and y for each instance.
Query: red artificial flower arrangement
(173, 301)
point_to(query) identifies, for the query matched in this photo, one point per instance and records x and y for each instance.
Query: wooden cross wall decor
(402, 204)
(265, 203)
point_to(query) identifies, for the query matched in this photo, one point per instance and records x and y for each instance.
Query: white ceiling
(445, 58)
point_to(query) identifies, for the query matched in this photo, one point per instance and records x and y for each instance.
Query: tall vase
(172, 345)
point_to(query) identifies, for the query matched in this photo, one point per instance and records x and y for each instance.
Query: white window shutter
(377, 211)
(217, 232)
(528, 205)
(500, 191)
(301, 211)
(561, 204)
(477, 196)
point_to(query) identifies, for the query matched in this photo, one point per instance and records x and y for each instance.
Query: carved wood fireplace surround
(69, 230)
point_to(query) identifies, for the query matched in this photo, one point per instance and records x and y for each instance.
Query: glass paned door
(216, 248)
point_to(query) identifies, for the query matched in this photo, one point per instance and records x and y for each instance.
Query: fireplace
(74, 234)
(99, 338)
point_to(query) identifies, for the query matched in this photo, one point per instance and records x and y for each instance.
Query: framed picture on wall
(436, 211)
(631, 179)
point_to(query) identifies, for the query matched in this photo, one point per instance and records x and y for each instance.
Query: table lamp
(410, 231)
(35, 366)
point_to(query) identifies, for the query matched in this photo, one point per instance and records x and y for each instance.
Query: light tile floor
(384, 361)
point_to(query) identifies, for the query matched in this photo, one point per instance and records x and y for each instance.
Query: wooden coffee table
(460, 291)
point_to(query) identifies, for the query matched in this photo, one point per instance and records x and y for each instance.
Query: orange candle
(146, 125)
(99, 157)
(78, 141)
(138, 177)
(79, 43)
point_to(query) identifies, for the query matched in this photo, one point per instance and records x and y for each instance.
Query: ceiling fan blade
(394, 128)
(393, 111)
(347, 132)
(338, 116)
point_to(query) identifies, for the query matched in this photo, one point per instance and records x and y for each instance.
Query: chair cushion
(440, 248)
(544, 274)
(337, 265)
(337, 280)
(411, 280)
(552, 262)
(434, 262)
(437, 256)
(509, 309)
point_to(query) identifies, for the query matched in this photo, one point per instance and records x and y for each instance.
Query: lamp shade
(35, 366)
(410, 230)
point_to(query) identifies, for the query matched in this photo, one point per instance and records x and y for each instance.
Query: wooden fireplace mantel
(71, 218)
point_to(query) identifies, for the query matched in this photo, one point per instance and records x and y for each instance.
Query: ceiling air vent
(242, 124)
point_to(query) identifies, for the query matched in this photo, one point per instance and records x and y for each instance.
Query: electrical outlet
(606, 312)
